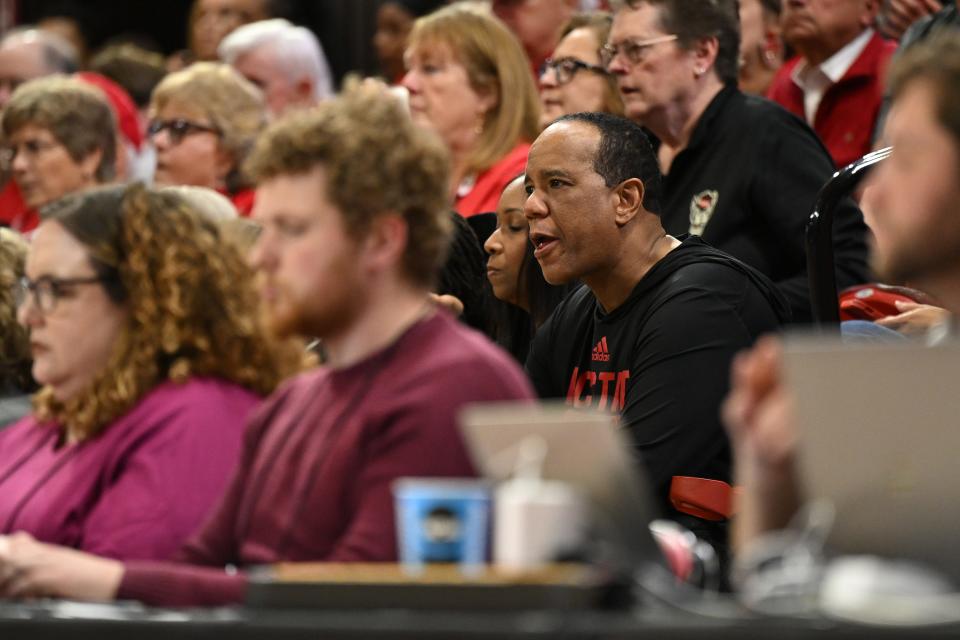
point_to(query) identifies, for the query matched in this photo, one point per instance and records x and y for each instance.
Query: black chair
(819, 237)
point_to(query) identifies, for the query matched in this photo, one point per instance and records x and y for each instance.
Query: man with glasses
(738, 171)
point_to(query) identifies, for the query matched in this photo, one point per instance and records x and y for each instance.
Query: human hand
(759, 416)
(758, 411)
(897, 15)
(452, 304)
(914, 319)
(31, 569)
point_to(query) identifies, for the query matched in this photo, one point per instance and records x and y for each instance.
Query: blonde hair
(192, 307)
(376, 161)
(231, 102)
(209, 203)
(15, 358)
(495, 63)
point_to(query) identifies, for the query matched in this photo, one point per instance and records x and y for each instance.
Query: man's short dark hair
(624, 152)
(692, 20)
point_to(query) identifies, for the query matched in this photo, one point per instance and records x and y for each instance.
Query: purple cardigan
(137, 490)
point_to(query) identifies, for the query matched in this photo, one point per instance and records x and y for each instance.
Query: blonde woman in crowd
(203, 123)
(470, 82)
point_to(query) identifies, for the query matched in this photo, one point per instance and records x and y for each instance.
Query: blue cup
(443, 520)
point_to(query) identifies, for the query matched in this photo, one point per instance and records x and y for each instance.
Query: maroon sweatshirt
(314, 482)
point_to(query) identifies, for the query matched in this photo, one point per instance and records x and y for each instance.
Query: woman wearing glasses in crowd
(203, 122)
(59, 137)
(469, 81)
(146, 340)
(572, 79)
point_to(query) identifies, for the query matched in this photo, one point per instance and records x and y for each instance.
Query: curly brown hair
(192, 307)
(376, 161)
(15, 358)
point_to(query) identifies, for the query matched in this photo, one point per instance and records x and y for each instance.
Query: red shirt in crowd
(485, 193)
(847, 114)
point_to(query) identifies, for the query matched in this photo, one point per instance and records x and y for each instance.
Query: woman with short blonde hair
(204, 121)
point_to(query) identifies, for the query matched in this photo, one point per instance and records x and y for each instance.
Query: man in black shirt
(652, 333)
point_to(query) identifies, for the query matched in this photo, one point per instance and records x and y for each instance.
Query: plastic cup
(442, 520)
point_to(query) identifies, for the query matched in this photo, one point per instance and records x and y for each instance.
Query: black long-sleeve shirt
(747, 183)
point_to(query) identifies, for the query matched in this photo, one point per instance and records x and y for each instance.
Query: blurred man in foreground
(913, 197)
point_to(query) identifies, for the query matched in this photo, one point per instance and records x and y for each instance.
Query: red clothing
(847, 114)
(320, 456)
(485, 194)
(138, 489)
(243, 201)
(14, 211)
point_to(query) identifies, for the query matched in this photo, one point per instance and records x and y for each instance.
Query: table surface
(41, 620)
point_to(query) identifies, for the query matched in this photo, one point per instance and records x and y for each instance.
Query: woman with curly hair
(146, 338)
(15, 379)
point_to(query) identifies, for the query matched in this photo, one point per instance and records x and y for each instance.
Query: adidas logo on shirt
(600, 352)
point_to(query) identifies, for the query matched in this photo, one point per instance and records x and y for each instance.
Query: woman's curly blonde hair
(190, 297)
(15, 358)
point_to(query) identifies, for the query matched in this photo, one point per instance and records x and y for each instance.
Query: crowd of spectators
(237, 303)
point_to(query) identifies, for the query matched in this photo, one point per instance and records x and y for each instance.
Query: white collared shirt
(815, 80)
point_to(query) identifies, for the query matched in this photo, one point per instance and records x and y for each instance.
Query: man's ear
(385, 242)
(629, 200)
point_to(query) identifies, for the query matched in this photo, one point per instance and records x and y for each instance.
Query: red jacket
(847, 114)
(14, 212)
(485, 194)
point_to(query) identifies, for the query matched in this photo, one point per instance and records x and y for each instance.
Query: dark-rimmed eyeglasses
(179, 128)
(566, 68)
(632, 50)
(47, 290)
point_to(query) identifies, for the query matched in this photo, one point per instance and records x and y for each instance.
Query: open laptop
(583, 448)
(880, 439)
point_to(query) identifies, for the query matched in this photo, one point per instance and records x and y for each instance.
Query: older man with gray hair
(28, 53)
(286, 61)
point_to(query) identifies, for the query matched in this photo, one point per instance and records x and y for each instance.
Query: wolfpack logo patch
(701, 210)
